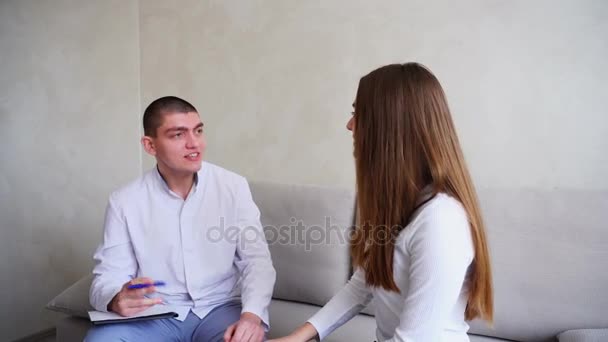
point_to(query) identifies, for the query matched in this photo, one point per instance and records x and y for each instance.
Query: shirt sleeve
(252, 256)
(440, 253)
(115, 262)
(346, 304)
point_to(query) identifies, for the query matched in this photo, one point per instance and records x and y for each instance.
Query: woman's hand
(288, 338)
(283, 339)
(304, 333)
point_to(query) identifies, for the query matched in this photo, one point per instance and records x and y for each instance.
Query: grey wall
(69, 122)
(273, 82)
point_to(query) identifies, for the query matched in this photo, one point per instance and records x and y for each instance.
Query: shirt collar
(425, 195)
(160, 181)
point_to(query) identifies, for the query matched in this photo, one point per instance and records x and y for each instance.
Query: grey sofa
(549, 255)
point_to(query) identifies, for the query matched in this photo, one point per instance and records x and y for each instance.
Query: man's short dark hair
(153, 115)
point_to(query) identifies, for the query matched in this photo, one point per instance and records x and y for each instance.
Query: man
(158, 228)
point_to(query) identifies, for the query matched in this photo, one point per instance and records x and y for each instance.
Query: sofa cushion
(584, 335)
(75, 299)
(307, 230)
(285, 316)
(481, 338)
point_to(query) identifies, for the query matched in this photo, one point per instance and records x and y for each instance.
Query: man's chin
(189, 169)
(196, 168)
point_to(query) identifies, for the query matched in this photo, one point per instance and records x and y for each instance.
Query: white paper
(97, 316)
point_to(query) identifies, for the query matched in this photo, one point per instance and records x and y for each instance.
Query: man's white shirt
(209, 249)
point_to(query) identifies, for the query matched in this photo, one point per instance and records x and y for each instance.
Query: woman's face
(350, 125)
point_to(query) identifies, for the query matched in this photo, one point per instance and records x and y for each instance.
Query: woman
(419, 249)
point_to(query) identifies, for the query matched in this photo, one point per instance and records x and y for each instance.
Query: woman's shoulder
(442, 206)
(442, 217)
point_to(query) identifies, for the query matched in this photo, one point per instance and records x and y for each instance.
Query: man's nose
(192, 141)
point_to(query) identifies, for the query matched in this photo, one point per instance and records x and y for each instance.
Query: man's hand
(129, 302)
(247, 329)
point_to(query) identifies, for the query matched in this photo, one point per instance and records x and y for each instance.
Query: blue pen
(143, 286)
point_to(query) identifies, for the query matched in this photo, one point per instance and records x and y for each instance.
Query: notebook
(154, 312)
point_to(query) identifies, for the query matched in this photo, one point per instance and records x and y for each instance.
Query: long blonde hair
(404, 141)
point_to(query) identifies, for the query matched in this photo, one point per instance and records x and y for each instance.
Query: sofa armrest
(584, 335)
(74, 300)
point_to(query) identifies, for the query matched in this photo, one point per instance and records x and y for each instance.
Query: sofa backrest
(306, 228)
(549, 253)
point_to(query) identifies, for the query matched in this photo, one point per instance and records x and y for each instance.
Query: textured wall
(69, 122)
(275, 80)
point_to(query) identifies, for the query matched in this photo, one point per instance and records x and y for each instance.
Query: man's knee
(214, 325)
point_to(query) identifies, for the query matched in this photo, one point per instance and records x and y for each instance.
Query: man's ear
(148, 145)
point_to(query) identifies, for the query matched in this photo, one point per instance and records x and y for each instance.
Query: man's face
(179, 144)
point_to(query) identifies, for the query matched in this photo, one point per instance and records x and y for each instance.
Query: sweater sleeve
(346, 304)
